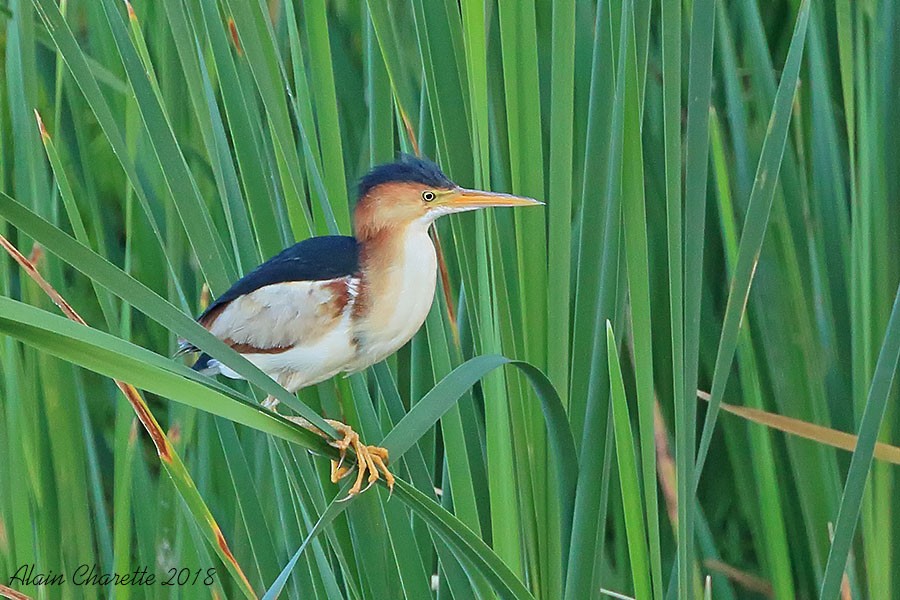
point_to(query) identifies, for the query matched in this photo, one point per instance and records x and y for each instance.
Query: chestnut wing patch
(277, 317)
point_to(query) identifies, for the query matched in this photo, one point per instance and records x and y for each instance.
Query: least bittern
(339, 304)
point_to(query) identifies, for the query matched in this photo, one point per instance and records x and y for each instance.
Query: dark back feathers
(313, 259)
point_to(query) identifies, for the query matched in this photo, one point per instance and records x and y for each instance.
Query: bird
(339, 304)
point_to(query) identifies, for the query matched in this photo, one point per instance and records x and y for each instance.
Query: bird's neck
(398, 270)
(384, 249)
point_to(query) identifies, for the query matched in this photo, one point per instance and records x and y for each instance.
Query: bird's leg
(271, 402)
(371, 459)
(337, 468)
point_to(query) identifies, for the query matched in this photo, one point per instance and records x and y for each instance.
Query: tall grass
(723, 215)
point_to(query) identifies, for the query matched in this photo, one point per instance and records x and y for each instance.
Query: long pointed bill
(464, 199)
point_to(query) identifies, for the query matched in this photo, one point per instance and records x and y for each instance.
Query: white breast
(397, 316)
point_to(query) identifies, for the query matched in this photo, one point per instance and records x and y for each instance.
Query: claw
(371, 459)
(381, 462)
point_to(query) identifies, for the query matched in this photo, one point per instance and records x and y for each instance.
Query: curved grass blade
(111, 356)
(438, 401)
(147, 301)
(468, 547)
(169, 458)
(116, 358)
(417, 468)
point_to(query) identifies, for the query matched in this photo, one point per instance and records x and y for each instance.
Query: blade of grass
(638, 271)
(771, 510)
(97, 351)
(628, 475)
(810, 431)
(876, 404)
(75, 220)
(334, 509)
(147, 301)
(754, 230)
(205, 241)
(170, 459)
(322, 86)
(521, 83)
(430, 408)
(559, 279)
(695, 175)
(469, 548)
(560, 189)
(671, 24)
(590, 492)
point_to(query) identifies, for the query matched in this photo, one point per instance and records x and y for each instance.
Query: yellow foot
(371, 459)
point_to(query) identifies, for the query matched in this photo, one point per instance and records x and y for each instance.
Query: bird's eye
(428, 196)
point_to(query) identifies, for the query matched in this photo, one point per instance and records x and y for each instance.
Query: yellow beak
(462, 199)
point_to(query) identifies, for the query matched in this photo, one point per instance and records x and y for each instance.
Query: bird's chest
(398, 292)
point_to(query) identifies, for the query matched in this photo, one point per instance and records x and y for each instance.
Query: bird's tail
(207, 365)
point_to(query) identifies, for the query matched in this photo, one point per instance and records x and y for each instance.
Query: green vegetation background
(722, 181)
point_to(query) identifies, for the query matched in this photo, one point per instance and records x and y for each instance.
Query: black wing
(313, 259)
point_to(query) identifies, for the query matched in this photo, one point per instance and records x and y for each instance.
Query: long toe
(371, 460)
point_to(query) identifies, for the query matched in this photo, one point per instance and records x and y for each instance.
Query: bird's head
(414, 190)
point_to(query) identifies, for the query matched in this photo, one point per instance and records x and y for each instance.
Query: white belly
(400, 309)
(396, 307)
